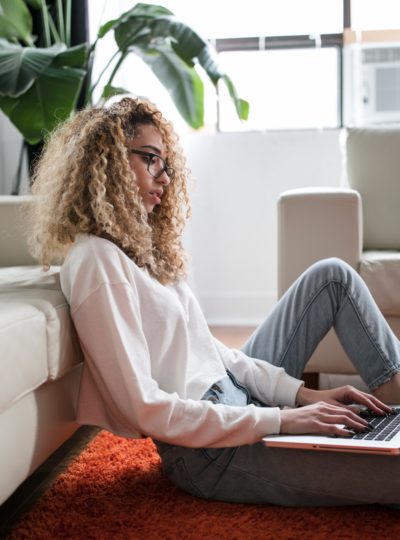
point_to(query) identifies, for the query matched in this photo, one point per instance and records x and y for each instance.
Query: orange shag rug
(116, 490)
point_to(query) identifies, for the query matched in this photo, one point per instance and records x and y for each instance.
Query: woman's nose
(164, 179)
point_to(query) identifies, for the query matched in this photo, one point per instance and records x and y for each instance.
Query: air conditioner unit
(371, 83)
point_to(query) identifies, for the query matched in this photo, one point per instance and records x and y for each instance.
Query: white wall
(232, 237)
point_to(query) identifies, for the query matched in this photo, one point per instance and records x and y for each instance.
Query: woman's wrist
(306, 396)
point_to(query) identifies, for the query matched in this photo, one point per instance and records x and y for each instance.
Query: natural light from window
(294, 89)
(375, 15)
(234, 18)
(289, 88)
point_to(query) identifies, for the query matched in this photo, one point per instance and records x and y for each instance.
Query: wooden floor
(232, 336)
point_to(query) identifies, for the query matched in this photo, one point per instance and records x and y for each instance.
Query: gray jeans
(330, 293)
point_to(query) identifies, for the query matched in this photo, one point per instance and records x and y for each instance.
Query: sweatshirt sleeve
(109, 327)
(266, 382)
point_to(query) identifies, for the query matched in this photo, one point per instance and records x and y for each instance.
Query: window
(287, 57)
(283, 56)
(287, 89)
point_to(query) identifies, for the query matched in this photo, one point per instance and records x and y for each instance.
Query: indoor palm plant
(39, 86)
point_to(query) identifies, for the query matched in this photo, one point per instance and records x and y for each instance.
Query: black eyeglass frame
(170, 171)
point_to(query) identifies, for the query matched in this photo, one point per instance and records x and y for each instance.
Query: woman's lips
(156, 199)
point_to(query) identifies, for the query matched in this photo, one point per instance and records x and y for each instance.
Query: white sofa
(40, 359)
(360, 224)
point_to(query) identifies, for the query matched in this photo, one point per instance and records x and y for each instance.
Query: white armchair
(359, 224)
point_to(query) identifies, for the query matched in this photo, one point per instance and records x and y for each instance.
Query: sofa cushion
(23, 354)
(373, 169)
(51, 341)
(381, 272)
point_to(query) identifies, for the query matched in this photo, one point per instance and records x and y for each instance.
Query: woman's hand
(321, 418)
(342, 396)
(328, 412)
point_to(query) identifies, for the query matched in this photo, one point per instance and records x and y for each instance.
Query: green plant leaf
(242, 106)
(182, 81)
(209, 64)
(206, 59)
(135, 28)
(131, 33)
(165, 33)
(37, 4)
(73, 56)
(20, 66)
(186, 42)
(143, 11)
(15, 21)
(110, 91)
(50, 100)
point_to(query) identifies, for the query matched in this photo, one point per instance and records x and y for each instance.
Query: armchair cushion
(373, 169)
(315, 223)
(381, 272)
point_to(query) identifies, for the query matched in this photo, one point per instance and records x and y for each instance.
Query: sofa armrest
(13, 245)
(316, 223)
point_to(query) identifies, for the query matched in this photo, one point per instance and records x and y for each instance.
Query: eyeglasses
(156, 165)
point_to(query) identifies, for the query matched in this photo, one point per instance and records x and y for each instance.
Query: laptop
(384, 438)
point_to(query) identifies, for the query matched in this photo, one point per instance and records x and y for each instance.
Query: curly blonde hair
(83, 184)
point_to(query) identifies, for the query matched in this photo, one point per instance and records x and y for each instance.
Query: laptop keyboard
(384, 427)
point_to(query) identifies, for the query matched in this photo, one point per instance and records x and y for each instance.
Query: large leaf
(143, 11)
(73, 56)
(242, 106)
(209, 64)
(20, 66)
(137, 28)
(132, 32)
(192, 48)
(171, 49)
(110, 91)
(185, 41)
(37, 4)
(50, 100)
(182, 81)
(15, 21)
(134, 26)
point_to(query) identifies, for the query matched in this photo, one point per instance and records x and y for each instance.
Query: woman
(112, 200)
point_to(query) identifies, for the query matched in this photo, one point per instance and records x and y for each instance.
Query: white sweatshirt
(150, 357)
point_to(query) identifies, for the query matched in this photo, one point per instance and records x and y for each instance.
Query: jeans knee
(332, 268)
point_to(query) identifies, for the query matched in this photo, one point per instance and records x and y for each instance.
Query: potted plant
(39, 86)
